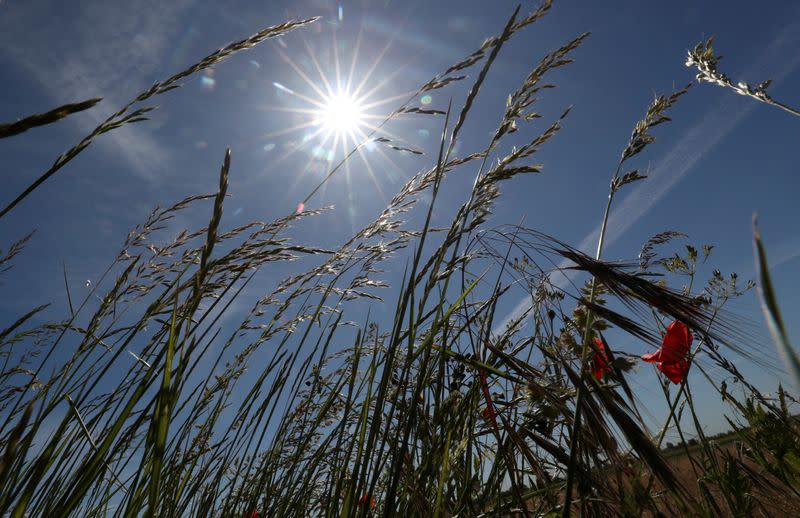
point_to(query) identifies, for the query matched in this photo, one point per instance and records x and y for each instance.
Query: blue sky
(723, 158)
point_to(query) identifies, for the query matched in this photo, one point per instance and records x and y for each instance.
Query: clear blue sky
(723, 158)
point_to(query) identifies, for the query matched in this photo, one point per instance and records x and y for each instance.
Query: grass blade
(769, 306)
(42, 119)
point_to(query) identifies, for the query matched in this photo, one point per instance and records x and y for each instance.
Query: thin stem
(576, 425)
(91, 440)
(786, 108)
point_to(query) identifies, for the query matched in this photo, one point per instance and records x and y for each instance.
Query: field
(767, 497)
(311, 405)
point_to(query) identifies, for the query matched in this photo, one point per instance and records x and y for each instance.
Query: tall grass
(310, 407)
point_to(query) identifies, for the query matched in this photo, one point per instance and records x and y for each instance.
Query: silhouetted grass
(310, 407)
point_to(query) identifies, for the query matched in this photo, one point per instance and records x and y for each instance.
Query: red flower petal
(676, 342)
(489, 411)
(675, 372)
(366, 498)
(652, 357)
(671, 357)
(600, 364)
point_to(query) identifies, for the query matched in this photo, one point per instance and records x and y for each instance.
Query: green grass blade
(443, 476)
(769, 306)
(437, 324)
(161, 416)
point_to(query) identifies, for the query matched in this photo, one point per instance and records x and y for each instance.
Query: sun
(335, 111)
(341, 114)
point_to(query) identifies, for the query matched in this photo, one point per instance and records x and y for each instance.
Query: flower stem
(576, 425)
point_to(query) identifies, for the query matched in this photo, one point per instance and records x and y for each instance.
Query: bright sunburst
(335, 111)
(342, 114)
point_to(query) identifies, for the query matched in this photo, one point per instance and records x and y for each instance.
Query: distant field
(771, 497)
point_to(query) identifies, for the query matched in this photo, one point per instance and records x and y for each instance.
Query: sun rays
(336, 109)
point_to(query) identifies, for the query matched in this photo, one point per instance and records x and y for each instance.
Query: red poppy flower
(251, 514)
(488, 412)
(672, 357)
(366, 498)
(600, 367)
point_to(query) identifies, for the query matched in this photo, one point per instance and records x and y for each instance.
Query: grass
(437, 413)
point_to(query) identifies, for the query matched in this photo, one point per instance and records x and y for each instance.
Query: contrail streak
(712, 129)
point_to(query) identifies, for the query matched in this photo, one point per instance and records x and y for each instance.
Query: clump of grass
(309, 406)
